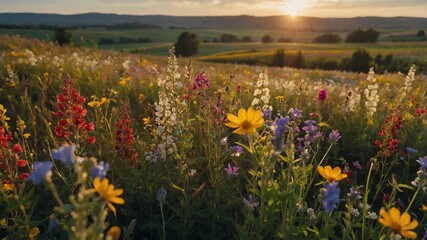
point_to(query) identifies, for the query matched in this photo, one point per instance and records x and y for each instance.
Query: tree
(279, 58)
(421, 33)
(247, 39)
(267, 39)
(362, 36)
(328, 38)
(187, 45)
(62, 37)
(360, 61)
(299, 60)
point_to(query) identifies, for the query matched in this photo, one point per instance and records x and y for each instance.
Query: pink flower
(322, 95)
(231, 171)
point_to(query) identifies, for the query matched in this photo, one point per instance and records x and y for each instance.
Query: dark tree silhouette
(187, 45)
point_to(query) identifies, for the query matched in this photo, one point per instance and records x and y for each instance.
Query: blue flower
(65, 154)
(295, 113)
(237, 151)
(100, 170)
(41, 171)
(411, 150)
(332, 196)
(161, 195)
(423, 162)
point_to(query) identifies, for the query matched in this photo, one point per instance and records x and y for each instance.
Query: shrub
(187, 44)
(328, 38)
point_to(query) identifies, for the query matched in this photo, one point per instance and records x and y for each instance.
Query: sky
(314, 8)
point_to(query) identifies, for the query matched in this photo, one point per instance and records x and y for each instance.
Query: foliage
(267, 39)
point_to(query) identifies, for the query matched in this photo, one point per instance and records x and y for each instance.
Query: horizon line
(236, 15)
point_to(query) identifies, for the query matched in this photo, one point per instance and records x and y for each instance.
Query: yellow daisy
(330, 174)
(245, 121)
(114, 233)
(399, 223)
(108, 193)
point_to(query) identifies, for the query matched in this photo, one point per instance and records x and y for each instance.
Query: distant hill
(241, 22)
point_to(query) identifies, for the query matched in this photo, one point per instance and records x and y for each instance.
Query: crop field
(99, 144)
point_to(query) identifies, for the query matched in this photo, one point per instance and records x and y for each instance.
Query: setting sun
(295, 7)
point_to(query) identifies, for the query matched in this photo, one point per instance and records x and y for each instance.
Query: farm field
(100, 144)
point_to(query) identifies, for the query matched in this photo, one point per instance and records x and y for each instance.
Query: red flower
(21, 163)
(17, 149)
(23, 176)
(91, 140)
(90, 127)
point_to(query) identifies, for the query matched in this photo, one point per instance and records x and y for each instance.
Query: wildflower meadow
(105, 145)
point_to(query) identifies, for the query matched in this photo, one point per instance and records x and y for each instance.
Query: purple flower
(100, 170)
(237, 151)
(295, 113)
(267, 113)
(231, 171)
(332, 196)
(423, 162)
(311, 130)
(322, 95)
(250, 203)
(334, 136)
(202, 83)
(357, 165)
(41, 171)
(65, 154)
(280, 126)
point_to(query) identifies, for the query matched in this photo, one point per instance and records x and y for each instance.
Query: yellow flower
(3, 222)
(8, 186)
(94, 103)
(27, 135)
(399, 223)
(114, 233)
(108, 193)
(104, 100)
(34, 233)
(330, 174)
(245, 121)
(424, 208)
(146, 120)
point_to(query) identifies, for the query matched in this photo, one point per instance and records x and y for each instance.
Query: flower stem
(365, 201)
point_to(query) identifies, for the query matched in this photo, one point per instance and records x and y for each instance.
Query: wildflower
(424, 207)
(398, 223)
(330, 174)
(357, 165)
(322, 95)
(42, 170)
(311, 214)
(262, 93)
(24, 176)
(295, 113)
(123, 136)
(250, 203)
(411, 150)
(65, 154)
(26, 135)
(161, 195)
(114, 233)
(108, 193)
(423, 162)
(408, 82)
(334, 136)
(202, 83)
(371, 94)
(231, 171)
(21, 163)
(146, 121)
(237, 151)
(280, 126)
(332, 195)
(372, 215)
(17, 149)
(246, 122)
(34, 233)
(100, 170)
(355, 212)
(224, 141)
(7, 186)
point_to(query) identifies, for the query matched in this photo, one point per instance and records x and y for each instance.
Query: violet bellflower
(334, 136)
(280, 126)
(332, 196)
(42, 170)
(423, 162)
(65, 154)
(100, 170)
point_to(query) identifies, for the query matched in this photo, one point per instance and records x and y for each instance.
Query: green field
(210, 51)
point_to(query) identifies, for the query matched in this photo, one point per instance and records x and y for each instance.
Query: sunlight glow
(294, 7)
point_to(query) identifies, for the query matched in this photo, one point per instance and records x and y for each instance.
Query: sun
(294, 7)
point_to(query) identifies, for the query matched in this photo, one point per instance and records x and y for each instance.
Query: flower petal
(408, 234)
(250, 114)
(242, 114)
(394, 214)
